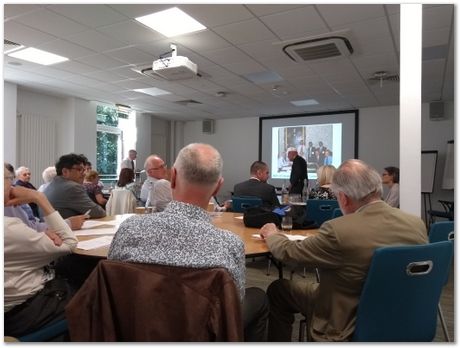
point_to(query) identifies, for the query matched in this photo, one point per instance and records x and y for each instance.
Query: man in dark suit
(298, 171)
(257, 185)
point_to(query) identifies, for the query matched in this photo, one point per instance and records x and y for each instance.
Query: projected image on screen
(317, 144)
(320, 138)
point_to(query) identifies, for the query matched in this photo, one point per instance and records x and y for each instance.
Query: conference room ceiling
(244, 71)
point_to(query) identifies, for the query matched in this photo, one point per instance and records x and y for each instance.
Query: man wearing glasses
(156, 190)
(66, 192)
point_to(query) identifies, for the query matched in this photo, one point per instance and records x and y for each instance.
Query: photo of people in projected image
(313, 142)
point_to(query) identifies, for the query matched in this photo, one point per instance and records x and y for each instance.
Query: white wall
(9, 123)
(238, 142)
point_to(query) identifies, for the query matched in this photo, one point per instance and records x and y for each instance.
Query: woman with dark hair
(390, 177)
(126, 180)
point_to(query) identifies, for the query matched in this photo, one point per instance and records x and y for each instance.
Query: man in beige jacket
(342, 251)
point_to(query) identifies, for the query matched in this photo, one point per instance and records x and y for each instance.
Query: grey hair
(357, 180)
(48, 174)
(20, 170)
(199, 164)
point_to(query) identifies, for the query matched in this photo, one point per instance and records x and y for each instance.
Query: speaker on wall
(208, 126)
(437, 111)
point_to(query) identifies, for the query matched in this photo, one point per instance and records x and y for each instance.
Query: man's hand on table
(267, 230)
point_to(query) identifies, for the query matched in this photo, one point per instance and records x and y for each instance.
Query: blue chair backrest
(442, 230)
(401, 293)
(320, 210)
(241, 203)
(46, 333)
(337, 213)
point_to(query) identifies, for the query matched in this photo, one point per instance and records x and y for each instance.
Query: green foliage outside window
(107, 116)
(107, 143)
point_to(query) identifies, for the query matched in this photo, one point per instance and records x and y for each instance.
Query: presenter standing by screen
(298, 171)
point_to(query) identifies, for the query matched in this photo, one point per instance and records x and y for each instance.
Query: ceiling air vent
(319, 48)
(10, 46)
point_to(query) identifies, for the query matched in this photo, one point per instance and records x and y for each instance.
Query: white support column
(410, 105)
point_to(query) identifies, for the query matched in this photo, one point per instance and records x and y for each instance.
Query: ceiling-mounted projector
(175, 67)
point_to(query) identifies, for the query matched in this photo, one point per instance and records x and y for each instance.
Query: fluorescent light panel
(304, 102)
(35, 55)
(171, 22)
(152, 91)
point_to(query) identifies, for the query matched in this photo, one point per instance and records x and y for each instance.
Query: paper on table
(256, 236)
(93, 223)
(95, 243)
(239, 217)
(295, 236)
(96, 231)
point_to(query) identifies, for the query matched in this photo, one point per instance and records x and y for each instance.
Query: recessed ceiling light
(35, 55)
(304, 102)
(171, 22)
(152, 91)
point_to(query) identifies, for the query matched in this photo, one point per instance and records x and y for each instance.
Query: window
(116, 134)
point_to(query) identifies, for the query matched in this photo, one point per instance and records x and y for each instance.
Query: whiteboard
(429, 159)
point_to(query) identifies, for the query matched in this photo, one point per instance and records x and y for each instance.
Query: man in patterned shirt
(183, 234)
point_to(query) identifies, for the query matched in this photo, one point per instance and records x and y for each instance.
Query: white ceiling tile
(219, 14)
(295, 23)
(435, 37)
(105, 76)
(51, 23)
(95, 41)
(202, 41)
(226, 55)
(56, 73)
(83, 80)
(131, 84)
(14, 10)
(137, 10)
(126, 72)
(244, 68)
(24, 35)
(92, 15)
(267, 9)
(336, 15)
(66, 49)
(131, 55)
(437, 17)
(245, 32)
(131, 32)
(74, 67)
(100, 61)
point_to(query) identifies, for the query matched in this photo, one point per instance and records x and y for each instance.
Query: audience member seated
(33, 297)
(342, 251)
(23, 179)
(126, 180)
(323, 190)
(257, 185)
(66, 192)
(183, 234)
(93, 189)
(156, 196)
(47, 175)
(390, 177)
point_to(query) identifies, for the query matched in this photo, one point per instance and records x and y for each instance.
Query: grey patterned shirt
(181, 235)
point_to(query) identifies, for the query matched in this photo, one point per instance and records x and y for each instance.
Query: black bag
(259, 216)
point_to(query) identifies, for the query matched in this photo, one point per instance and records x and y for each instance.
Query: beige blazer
(342, 251)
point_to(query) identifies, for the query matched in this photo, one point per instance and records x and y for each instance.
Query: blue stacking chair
(47, 332)
(337, 213)
(402, 290)
(320, 210)
(241, 203)
(442, 231)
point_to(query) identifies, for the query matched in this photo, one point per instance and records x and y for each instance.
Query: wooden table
(229, 221)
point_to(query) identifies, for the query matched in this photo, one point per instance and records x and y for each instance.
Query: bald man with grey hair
(184, 235)
(342, 251)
